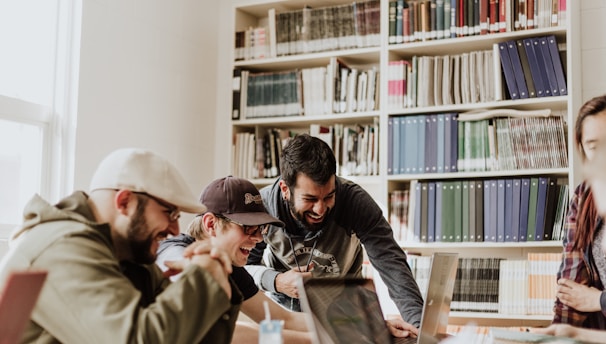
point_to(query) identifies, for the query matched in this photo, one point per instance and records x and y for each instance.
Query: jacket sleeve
(573, 266)
(384, 253)
(98, 304)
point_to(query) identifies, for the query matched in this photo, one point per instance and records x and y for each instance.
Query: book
(516, 187)
(479, 213)
(518, 72)
(424, 202)
(548, 65)
(541, 208)
(552, 200)
(458, 211)
(526, 68)
(532, 208)
(392, 21)
(535, 68)
(465, 223)
(439, 212)
(236, 87)
(557, 64)
(508, 72)
(547, 84)
(500, 210)
(508, 218)
(431, 211)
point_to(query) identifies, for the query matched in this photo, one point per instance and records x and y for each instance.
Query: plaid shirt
(578, 266)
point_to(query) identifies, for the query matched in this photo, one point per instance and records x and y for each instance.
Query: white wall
(148, 79)
(593, 51)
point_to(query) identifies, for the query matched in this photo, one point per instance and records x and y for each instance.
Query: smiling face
(231, 238)
(148, 226)
(309, 202)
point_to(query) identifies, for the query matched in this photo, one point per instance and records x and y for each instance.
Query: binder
(548, 65)
(507, 68)
(541, 67)
(557, 64)
(524, 203)
(526, 69)
(535, 68)
(518, 72)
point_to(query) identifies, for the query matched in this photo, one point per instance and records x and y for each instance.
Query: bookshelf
(377, 54)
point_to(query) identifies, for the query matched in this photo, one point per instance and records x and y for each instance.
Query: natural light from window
(38, 74)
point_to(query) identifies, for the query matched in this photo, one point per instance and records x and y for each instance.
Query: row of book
(489, 210)
(525, 68)
(308, 30)
(532, 67)
(356, 148)
(421, 20)
(504, 140)
(336, 88)
(444, 80)
(496, 285)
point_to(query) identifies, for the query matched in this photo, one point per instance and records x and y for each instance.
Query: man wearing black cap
(234, 221)
(328, 219)
(99, 250)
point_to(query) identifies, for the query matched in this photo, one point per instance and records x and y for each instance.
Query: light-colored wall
(148, 79)
(593, 48)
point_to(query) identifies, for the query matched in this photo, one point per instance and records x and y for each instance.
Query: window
(38, 91)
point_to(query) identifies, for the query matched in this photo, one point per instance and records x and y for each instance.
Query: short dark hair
(308, 155)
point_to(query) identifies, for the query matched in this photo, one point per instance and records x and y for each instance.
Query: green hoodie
(90, 297)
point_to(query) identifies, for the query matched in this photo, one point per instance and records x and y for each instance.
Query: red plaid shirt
(578, 266)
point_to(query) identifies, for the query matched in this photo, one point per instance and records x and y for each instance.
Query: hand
(286, 282)
(212, 259)
(578, 296)
(400, 328)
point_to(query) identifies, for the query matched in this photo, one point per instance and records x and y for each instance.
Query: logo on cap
(250, 198)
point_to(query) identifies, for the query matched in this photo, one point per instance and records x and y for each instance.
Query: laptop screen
(347, 310)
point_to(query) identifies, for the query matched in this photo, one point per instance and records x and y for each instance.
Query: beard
(139, 240)
(300, 217)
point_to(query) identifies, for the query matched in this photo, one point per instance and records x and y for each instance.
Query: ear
(284, 189)
(121, 200)
(210, 222)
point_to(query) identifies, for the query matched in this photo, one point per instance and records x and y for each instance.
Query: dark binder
(417, 213)
(553, 192)
(508, 228)
(526, 68)
(479, 213)
(535, 68)
(541, 207)
(547, 83)
(507, 68)
(524, 204)
(549, 68)
(557, 64)
(515, 209)
(518, 72)
(500, 210)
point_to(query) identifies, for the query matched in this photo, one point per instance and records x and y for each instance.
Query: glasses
(248, 230)
(173, 212)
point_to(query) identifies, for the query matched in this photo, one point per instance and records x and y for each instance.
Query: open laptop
(17, 300)
(347, 310)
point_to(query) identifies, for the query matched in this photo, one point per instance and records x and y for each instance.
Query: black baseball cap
(238, 200)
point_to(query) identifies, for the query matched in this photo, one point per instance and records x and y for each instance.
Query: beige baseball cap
(140, 170)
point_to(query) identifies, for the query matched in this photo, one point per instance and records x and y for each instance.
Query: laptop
(347, 310)
(17, 300)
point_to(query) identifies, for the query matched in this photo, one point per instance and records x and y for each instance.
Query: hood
(74, 207)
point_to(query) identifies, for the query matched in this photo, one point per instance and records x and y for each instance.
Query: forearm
(265, 278)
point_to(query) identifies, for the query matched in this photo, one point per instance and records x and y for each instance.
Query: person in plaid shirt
(581, 300)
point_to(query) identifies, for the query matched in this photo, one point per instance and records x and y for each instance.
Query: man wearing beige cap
(99, 250)
(234, 221)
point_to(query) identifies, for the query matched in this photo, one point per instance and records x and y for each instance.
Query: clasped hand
(210, 258)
